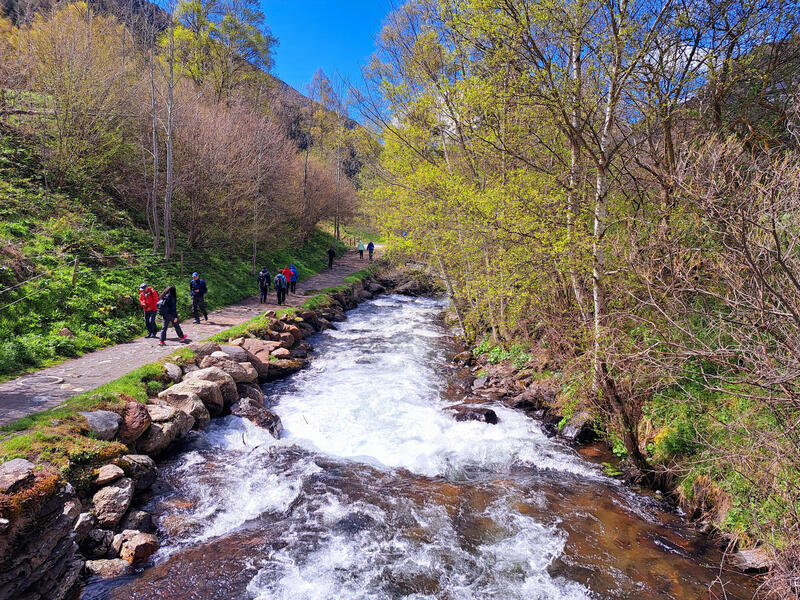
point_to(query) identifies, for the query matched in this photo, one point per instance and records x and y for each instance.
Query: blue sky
(338, 36)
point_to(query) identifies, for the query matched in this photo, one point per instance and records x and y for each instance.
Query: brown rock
(281, 353)
(470, 412)
(159, 414)
(287, 340)
(264, 418)
(202, 349)
(108, 474)
(191, 404)
(138, 547)
(252, 374)
(281, 368)
(112, 502)
(135, 421)
(251, 391)
(108, 569)
(259, 353)
(224, 382)
(161, 435)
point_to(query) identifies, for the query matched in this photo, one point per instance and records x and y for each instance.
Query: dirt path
(49, 387)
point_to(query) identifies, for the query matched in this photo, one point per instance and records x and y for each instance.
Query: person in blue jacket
(293, 280)
(198, 290)
(370, 249)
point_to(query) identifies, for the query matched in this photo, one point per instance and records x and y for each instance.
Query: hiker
(197, 290)
(287, 272)
(360, 250)
(264, 279)
(293, 280)
(148, 298)
(331, 256)
(370, 249)
(168, 309)
(280, 287)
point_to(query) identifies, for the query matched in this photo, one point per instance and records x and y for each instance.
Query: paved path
(49, 387)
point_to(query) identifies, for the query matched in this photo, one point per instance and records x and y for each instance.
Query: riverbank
(68, 481)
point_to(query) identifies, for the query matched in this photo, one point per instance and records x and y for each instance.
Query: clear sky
(336, 35)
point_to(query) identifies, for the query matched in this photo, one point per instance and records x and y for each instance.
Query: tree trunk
(168, 238)
(154, 109)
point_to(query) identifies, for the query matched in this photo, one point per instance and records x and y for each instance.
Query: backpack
(280, 281)
(161, 306)
(263, 279)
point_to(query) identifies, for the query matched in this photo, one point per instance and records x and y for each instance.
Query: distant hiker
(264, 279)
(280, 287)
(370, 249)
(293, 280)
(331, 256)
(287, 272)
(360, 250)
(198, 290)
(148, 298)
(168, 309)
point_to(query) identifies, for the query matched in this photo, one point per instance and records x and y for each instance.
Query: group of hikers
(285, 281)
(166, 305)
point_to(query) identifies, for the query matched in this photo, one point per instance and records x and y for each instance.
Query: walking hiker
(148, 298)
(198, 290)
(370, 249)
(293, 280)
(360, 250)
(280, 287)
(331, 256)
(287, 272)
(168, 309)
(264, 279)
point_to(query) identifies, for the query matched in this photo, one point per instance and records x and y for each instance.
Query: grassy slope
(44, 232)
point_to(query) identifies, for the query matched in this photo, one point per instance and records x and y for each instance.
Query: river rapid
(373, 492)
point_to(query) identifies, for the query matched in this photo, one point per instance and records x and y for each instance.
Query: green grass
(41, 234)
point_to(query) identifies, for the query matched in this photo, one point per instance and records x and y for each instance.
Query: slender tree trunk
(168, 238)
(450, 291)
(154, 194)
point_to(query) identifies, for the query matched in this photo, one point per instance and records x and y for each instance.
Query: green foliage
(497, 354)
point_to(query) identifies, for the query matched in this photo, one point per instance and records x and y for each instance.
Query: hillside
(42, 233)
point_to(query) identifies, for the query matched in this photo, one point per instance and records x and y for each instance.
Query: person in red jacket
(148, 298)
(287, 272)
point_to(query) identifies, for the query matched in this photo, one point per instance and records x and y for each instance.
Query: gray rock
(160, 435)
(195, 383)
(107, 474)
(112, 502)
(173, 371)
(72, 510)
(139, 520)
(121, 538)
(202, 349)
(753, 560)
(250, 370)
(14, 474)
(103, 423)
(252, 391)
(236, 353)
(224, 382)
(85, 523)
(97, 543)
(108, 569)
(479, 383)
(141, 467)
(227, 364)
(159, 414)
(190, 403)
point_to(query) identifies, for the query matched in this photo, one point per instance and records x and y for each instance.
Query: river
(373, 492)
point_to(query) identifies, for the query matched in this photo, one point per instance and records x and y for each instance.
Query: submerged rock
(470, 412)
(264, 418)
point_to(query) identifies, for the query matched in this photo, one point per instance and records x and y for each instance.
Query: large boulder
(135, 422)
(108, 568)
(191, 404)
(14, 474)
(281, 353)
(287, 340)
(202, 349)
(227, 364)
(264, 418)
(103, 423)
(294, 330)
(252, 391)
(208, 391)
(139, 547)
(160, 413)
(112, 502)
(139, 520)
(160, 435)
(236, 353)
(250, 370)
(281, 368)
(224, 382)
(140, 467)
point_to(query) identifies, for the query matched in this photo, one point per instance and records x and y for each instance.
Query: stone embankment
(52, 533)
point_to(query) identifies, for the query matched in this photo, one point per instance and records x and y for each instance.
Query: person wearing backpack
(168, 309)
(370, 249)
(264, 279)
(148, 298)
(197, 291)
(280, 287)
(360, 250)
(293, 279)
(287, 272)
(331, 256)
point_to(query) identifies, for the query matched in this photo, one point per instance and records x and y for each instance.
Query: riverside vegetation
(610, 192)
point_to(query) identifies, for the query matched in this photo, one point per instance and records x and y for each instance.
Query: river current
(374, 493)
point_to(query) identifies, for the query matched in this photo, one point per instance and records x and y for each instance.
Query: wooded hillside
(616, 185)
